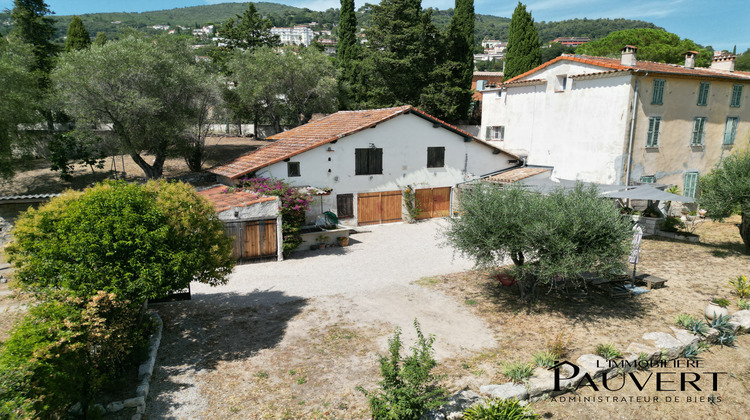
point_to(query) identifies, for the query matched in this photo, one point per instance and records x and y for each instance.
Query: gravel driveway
(378, 257)
(270, 308)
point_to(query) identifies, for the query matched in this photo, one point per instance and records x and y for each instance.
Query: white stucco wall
(404, 141)
(581, 131)
(260, 211)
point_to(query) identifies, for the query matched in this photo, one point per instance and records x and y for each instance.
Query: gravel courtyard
(235, 350)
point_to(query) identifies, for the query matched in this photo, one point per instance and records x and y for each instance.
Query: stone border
(145, 371)
(541, 384)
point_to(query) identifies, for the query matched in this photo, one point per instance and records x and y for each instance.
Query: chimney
(690, 59)
(723, 62)
(628, 55)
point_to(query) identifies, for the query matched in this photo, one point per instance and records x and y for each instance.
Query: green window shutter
(699, 124)
(658, 96)
(736, 96)
(691, 183)
(730, 130)
(703, 93)
(648, 179)
(487, 133)
(652, 139)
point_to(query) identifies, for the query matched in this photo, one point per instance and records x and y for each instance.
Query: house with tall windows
(621, 120)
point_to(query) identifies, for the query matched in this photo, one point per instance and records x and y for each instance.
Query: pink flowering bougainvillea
(294, 203)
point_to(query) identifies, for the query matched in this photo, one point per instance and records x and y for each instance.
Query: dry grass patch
(695, 273)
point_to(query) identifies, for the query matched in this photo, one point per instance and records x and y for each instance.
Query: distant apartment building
(204, 31)
(160, 27)
(297, 35)
(571, 41)
(493, 43)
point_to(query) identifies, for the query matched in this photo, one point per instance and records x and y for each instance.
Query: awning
(647, 192)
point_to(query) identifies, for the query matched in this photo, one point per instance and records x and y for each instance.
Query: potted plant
(343, 240)
(322, 240)
(717, 307)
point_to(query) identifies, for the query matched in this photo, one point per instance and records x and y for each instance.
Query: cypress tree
(449, 94)
(524, 51)
(347, 51)
(78, 37)
(402, 47)
(101, 39)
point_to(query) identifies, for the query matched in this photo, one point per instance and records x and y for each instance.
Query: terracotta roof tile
(223, 201)
(642, 66)
(517, 174)
(315, 134)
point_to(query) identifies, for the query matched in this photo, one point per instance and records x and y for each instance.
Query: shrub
(720, 302)
(294, 203)
(684, 320)
(544, 359)
(499, 410)
(413, 210)
(741, 286)
(517, 372)
(743, 304)
(559, 345)
(692, 351)
(698, 327)
(671, 224)
(137, 241)
(64, 351)
(408, 388)
(560, 234)
(608, 351)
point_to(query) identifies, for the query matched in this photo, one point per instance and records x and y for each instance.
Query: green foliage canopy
(150, 90)
(560, 234)
(726, 190)
(138, 242)
(653, 45)
(524, 50)
(19, 97)
(78, 37)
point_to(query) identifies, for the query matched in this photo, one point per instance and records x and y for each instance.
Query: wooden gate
(434, 202)
(253, 240)
(379, 207)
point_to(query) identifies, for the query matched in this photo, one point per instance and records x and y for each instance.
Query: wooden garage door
(379, 207)
(434, 202)
(253, 240)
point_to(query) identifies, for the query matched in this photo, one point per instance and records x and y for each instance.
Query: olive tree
(151, 91)
(726, 190)
(136, 241)
(547, 237)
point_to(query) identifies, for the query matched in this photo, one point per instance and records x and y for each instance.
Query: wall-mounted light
(372, 146)
(329, 149)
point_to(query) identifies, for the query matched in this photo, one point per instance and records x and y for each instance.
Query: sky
(721, 24)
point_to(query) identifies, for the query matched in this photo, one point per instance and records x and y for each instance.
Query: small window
(368, 161)
(480, 84)
(435, 157)
(699, 129)
(652, 139)
(658, 95)
(648, 179)
(292, 169)
(691, 184)
(499, 93)
(736, 96)
(498, 132)
(703, 93)
(730, 130)
(345, 205)
(562, 83)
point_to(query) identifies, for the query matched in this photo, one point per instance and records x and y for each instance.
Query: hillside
(487, 26)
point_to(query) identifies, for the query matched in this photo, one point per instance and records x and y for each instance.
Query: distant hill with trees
(486, 26)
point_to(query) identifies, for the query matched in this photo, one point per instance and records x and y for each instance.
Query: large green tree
(136, 241)
(34, 27)
(653, 45)
(149, 90)
(448, 95)
(524, 50)
(19, 96)
(245, 32)
(402, 49)
(558, 235)
(743, 61)
(347, 51)
(78, 37)
(287, 86)
(726, 191)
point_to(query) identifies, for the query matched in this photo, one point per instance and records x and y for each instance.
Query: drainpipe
(632, 131)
